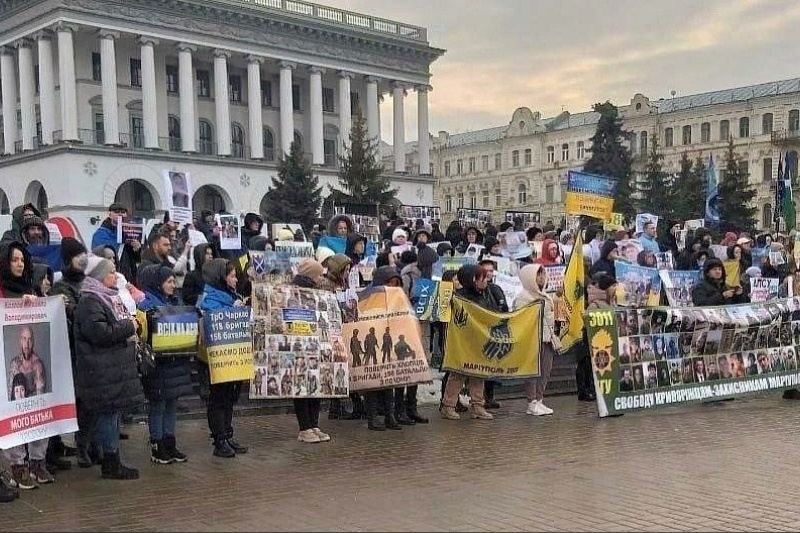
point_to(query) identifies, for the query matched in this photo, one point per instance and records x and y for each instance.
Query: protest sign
(40, 399)
(474, 217)
(644, 218)
(431, 299)
(526, 218)
(428, 214)
(170, 329)
(510, 284)
(512, 242)
(230, 234)
(227, 345)
(590, 194)
(692, 225)
(615, 222)
(637, 286)
(271, 267)
(629, 250)
(763, 289)
(555, 277)
(295, 251)
(664, 261)
(474, 251)
(679, 285)
(384, 342)
(177, 186)
(130, 229)
(692, 355)
(732, 272)
(489, 344)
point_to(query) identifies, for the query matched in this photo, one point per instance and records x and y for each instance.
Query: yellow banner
(732, 273)
(589, 204)
(227, 344)
(488, 344)
(615, 222)
(574, 296)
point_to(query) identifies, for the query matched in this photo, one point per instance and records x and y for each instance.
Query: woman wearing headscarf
(193, 284)
(551, 254)
(712, 290)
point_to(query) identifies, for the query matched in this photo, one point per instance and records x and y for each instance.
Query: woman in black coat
(106, 379)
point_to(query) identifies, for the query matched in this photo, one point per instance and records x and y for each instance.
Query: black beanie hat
(70, 248)
(603, 281)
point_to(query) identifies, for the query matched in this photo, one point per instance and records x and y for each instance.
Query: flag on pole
(787, 201)
(712, 195)
(776, 216)
(574, 296)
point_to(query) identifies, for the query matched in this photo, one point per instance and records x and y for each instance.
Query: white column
(66, 78)
(8, 84)
(47, 87)
(222, 102)
(187, 93)
(373, 110)
(254, 107)
(399, 137)
(27, 93)
(149, 92)
(108, 66)
(345, 118)
(317, 134)
(287, 111)
(423, 133)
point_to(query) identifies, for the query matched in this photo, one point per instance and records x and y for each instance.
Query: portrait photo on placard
(27, 360)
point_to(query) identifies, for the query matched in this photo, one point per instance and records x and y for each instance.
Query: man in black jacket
(712, 290)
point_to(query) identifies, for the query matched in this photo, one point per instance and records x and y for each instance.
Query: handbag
(145, 358)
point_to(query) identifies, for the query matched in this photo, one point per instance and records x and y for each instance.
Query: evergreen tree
(653, 188)
(610, 157)
(295, 196)
(361, 178)
(736, 195)
(688, 194)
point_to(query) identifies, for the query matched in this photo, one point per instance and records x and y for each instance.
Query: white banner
(178, 189)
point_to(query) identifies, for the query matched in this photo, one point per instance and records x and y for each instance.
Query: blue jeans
(162, 419)
(108, 431)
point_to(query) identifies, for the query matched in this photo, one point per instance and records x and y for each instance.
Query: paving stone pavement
(733, 466)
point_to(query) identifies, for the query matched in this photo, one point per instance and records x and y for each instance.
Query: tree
(361, 178)
(610, 157)
(736, 195)
(653, 188)
(295, 196)
(688, 190)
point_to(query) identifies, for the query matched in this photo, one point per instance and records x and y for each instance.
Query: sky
(554, 55)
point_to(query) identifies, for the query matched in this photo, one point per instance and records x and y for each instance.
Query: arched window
(581, 150)
(551, 154)
(794, 120)
(522, 194)
(642, 143)
(744, 127)
(298, 140)
(565, 152)
(766, 216)
(724, 130)
(766, 123)
(237, 140)
(174, 128)
(206, 138)
(269, 145)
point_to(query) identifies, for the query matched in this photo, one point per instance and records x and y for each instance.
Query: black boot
(400, 409)
(223, 449)
(159, 453)
(411, 406)
(173, 451)
(358, 408)
(488, 394)
(374, 420)
(6, 494)
(391, 422)
(112, 468)
(95, 454)
(239, 449)
(84, 461)
(55, 456)
(336, 410)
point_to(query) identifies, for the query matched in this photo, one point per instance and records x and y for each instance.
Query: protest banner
(574, 297)
(474, 217)
(178, 189)
(297, 345)
(763, 289)
(637, 286)
(447, 264)
(385, 324)
(40, 399)
(170, 329)
(678, 285)
(590, 194)
(230, 234)
(227, 344)
(526, 218)
(431, 299)
(733, 270)
(510, 284)
(555, 277)
(514, 244)
(615, 222)
(629, 249)
(489, 344)
(428, 214)
(664, 261)
(130, 229)
(296, 251)
(693, 355)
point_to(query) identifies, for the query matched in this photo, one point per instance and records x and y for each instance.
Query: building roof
(773, 88)
(478, 136)
(571, 121)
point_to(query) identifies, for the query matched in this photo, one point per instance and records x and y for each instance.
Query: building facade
(523, 166)
(100, 97)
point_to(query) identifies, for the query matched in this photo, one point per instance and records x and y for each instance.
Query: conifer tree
(736, 195)
(688, 190)
(654, 190)
(295, 196)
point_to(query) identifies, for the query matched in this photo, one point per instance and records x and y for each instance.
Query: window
(97, 67)
(355, 104)
(581, 150)
(794, 120)
(448, 204)
(551, 154)
(237, 140)
(460, 200)
(744, 127)
(459, 167)
(498, 198)
(642, 143)
(447, 168)
(266, 93)
(99, 129)
(522, 194)
(686, 135)
(766, 123)
(766, 216)
(485, 163)
(298, 140)
(498, 161)
(296, 97)
(515, 158)
(329, 152)
(724, 130)
(206, 137)
(136, 73)
(472, 165)
(473, 201)
(203, 84)
(174, 129)
(549, 192)
(172, 79)
(269, 145)
(528, 157)
(667, 137)
(705, 132)
(235, 89)
(137, 131)
(766, 175)
(486, 199)
(327, 100)
(791, 162)
(565, 152)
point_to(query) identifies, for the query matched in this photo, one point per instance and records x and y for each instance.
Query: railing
(339, 16)
(782, 135)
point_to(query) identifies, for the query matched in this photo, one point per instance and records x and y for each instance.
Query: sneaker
(544, 409)
(173, 451)
(223, 449)
(160, 455)
(21, 478)
(323, 437)
(308, 436)
(537, 408)
(449, 413)
(479, 413)
(236, 447)
(39, 473)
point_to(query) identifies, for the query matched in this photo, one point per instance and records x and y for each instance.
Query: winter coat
(12, 286)
(149, 258)
(463, 245)
(532, 293)
(352, 240)
(468, 291)
(410, 275)
(649, 244)
(604, 264)
(70, 286)
(106, 235)
(709, 292)
(15, 233)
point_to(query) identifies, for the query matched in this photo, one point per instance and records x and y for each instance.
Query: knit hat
(323, 254)
(397, 233)
(70, 248)
(730, 236)
(310, 268)
(284, 234)
(103, 251)
(98, 268)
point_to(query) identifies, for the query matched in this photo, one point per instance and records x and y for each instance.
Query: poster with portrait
(526, 219)
(514, 244)
(428, 214)
(637, 286)
(178, 190)
(384, 343)
(644, 218)
(649, 358)
(230, 232)
(629, 250)
(298, 350)
(678, 285)
(479, 218)
(39, 398)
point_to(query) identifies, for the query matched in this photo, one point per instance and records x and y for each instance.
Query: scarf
(109, 297)
(14, 287)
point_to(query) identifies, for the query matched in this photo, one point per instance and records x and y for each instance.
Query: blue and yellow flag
(574, 297)
(489, 344)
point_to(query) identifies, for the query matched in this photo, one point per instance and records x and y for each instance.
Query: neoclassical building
(523, 166)
(100, 97)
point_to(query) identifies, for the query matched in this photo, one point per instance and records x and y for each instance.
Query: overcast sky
(554, 54)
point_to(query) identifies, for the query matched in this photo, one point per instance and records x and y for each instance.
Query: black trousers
(307, 412)
(405, 399)
(219, 409)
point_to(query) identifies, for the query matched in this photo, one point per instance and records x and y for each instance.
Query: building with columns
(100, 97)
(522, 166)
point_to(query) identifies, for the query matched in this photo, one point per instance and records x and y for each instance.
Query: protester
(106, 234)
(551, 254)
(253, 224)
(194, 284)
(712, 289)
(609, 253)
(454, 234)
(436, 233)
(339, 228)
(18, 216)
(157, 253)
(472, 235)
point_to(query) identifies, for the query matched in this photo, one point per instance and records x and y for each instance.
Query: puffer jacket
(532, 293)
(709, 292)
(15, 233)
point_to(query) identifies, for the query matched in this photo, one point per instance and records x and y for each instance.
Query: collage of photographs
(660, 348)
(428, 214)
(297, 344)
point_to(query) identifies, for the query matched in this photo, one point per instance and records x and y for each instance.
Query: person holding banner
(472, 235)
(169, 379)
(106, 378)
(712, 290)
